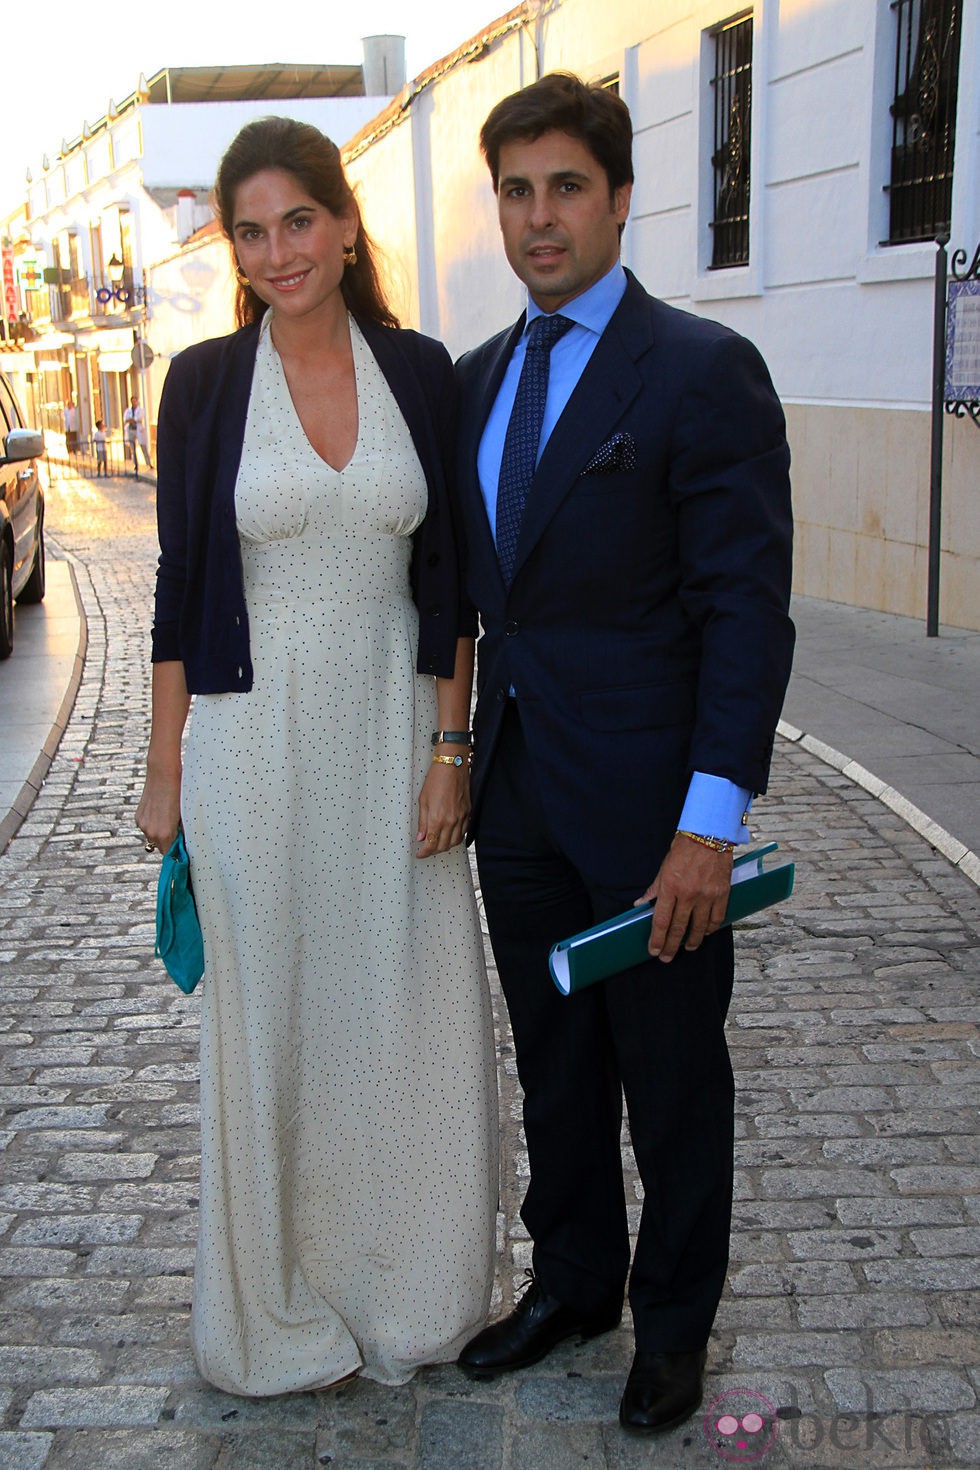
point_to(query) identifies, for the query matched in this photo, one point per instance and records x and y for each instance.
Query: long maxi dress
(348, 1085)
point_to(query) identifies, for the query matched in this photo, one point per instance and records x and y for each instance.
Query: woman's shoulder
(212, 350)
(414, 347)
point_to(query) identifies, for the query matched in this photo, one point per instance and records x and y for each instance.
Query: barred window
(927, 57)
(732, 84)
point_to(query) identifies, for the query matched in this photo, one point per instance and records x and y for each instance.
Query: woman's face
(290, 247)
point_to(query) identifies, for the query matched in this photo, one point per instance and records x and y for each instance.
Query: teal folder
(620, 942)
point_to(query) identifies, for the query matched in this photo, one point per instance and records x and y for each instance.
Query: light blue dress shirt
(714, 806)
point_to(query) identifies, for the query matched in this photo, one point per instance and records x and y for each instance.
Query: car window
(8, 406)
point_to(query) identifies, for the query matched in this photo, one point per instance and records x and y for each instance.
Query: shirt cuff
(716, 807)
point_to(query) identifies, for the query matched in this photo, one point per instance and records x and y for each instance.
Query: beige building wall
(861, 500)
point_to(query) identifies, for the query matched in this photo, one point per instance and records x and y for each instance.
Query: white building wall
(845, 323)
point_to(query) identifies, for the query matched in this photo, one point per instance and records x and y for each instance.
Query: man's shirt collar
(594, 307)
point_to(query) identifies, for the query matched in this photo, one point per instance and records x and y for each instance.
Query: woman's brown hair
(314, 161)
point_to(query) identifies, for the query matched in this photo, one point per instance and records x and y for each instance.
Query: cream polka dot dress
(348, 1084)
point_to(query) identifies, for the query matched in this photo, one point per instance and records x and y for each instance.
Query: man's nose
(541, 215)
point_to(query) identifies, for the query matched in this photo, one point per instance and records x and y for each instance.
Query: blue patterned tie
(523, 433)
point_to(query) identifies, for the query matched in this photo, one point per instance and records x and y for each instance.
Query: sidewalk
(903, 707)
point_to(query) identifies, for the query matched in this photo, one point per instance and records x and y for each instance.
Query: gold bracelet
(450, 760)
(717, 844)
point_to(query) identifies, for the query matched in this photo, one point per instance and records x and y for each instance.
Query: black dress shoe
(663, 1390)
(537, 1324)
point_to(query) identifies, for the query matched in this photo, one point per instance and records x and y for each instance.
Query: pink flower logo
(741, 1425)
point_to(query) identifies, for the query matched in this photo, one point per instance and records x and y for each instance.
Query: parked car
(21, 514)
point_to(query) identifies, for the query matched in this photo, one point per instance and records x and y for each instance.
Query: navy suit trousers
(655, 1033)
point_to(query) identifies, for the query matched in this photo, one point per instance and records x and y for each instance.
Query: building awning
(115, 362)
(50, 342)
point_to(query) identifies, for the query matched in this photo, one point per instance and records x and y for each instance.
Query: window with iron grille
(927, 57)
(732, 84)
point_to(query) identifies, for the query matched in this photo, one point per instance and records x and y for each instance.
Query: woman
(348, 1150)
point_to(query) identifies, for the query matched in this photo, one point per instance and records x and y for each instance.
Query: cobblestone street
(853, 1302)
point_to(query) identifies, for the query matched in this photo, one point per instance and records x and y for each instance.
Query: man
(633, 590)
(134, 433)
(70, 418)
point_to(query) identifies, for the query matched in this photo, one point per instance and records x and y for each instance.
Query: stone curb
(28, 793)
(951, 847)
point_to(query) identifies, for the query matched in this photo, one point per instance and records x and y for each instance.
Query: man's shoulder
(668, 327)
(473, 361)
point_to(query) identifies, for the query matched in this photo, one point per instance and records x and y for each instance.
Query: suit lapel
(601, 397)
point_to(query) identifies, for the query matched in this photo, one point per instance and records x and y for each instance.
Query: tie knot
(544, 332)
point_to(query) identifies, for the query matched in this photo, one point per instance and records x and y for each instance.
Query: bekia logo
(741, 1425)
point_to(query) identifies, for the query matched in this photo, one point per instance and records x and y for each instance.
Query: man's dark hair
(560, 102)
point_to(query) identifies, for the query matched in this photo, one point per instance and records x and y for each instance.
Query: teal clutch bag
(621, 942)
(179, 943)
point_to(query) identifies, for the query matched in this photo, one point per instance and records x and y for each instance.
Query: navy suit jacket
(201, 616)
(646, 631)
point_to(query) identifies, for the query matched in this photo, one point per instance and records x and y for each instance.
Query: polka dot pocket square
(618, 453)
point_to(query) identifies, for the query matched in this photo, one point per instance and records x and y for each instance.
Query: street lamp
(115, 270)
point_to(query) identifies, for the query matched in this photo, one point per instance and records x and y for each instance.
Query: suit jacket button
(512, 628)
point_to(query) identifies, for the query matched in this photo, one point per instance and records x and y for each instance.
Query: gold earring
(350, 255)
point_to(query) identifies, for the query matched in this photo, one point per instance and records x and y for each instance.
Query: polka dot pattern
(348, 1086)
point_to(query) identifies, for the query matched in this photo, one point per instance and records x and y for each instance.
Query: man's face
(560, 225)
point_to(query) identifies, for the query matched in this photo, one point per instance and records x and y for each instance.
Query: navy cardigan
(200, 616)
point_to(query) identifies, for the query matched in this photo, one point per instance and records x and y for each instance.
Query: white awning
(115, 362)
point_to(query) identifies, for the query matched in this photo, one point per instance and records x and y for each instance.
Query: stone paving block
(558, 1447)
(92, 1407)
(841, 1441)
(57, 1230)
(937, 1345)
(102, 1166)
(283, 1450)
(560, 1400)
(57, 1117)
(964, 1437)
(31, 1365)
(794, 1349)
(61, 1295)
(112, 1260)
(878, 1309)
(133, 1449)
(922, 1390)
(792, 1278)
(839, 1245)
(460, 1436)
(24, 1451)
(210, 1408)
(146, 1329)
(27, 1262)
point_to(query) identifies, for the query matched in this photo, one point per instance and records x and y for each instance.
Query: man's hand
(691, 892)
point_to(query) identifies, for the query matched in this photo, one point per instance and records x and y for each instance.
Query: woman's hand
(444, 809)
(158, 814)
